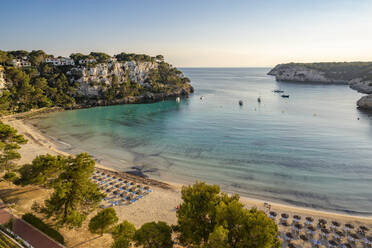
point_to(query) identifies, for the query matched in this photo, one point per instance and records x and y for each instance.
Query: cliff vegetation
(35, 79)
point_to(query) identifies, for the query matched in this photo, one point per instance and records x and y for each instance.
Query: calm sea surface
(313, 149)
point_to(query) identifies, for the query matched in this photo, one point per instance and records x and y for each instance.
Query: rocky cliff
(301, 73)
(93, 79)
(79, 81)
(2, 78)
(358, 75)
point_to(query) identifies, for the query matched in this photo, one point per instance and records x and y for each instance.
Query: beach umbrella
(304, 238)
(298, 226)
(289, 236)
(296, 218)
(290, 245)
(284, 223)
(311, 229)
(272, 215)
(309, 220)
(339, 234)
(363, 228)
(335, 224)
(353, 236)
(332, 243)
(322, 221)
(284, 216)
(325, 231)
(350, 226)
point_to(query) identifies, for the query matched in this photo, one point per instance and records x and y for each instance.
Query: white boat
(178, 99)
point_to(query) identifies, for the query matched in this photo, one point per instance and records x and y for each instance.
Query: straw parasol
(309, 220)
(284, 216)
(289, 236)
(349, 226)
(296, 218)
(335, 224)
(273, 214)
(339, 234)
(322, 221)
(332, 243)
(298, 226)
(325, 231)
(353, 236)
(311, 228)
(290, 245)
(304, 238)
(364, 228)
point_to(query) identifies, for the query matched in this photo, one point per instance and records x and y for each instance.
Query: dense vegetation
(74, 195)
(45, 85)
(10, 142)
(45, 228)
(342, 70)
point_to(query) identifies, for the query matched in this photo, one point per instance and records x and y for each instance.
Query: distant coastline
(358, 75)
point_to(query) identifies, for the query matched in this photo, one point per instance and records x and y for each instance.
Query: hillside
(358, 75)
(36, 79)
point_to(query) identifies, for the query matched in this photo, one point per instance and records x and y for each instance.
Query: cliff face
(92, 79)
(299, 73)
(2, 78)
(356, 74)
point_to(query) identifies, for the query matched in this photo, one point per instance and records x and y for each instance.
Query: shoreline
(40, 144)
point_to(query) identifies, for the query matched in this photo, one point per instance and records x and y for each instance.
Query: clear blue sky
(194, 32)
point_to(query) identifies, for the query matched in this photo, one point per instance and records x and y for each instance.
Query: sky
(194, 33)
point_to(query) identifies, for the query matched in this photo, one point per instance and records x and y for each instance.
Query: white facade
(84, 61)
(20, 63)
(60, 61)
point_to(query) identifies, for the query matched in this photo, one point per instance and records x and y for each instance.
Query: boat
(240, 103)
(278, 91)
(178, 99)
(285, 96)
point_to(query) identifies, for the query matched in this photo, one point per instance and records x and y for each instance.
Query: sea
(313, 149)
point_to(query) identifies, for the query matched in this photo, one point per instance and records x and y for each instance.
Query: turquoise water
(309, 150)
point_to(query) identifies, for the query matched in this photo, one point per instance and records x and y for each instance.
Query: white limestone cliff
(299, 73)
(92, 78)
(2, 78)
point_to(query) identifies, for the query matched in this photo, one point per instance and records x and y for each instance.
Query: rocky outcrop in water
(361, 85)
(365, 102)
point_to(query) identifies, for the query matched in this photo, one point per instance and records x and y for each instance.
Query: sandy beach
(160, 205)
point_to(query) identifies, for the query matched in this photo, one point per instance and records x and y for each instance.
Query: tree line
(45, 85)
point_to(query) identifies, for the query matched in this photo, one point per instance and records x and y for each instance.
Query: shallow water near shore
(313, 149)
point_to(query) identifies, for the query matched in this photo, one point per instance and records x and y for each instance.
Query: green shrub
(45, 228)
(10, 176)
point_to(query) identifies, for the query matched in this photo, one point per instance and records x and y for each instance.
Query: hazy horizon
(194, 33)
